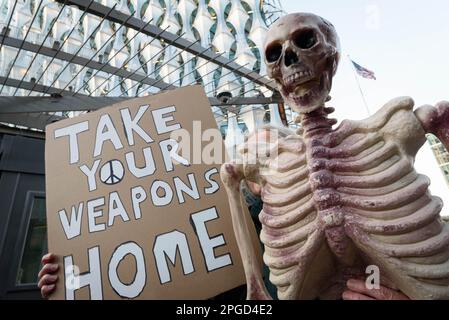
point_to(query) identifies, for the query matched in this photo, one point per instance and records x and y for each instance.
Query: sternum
(317, 126)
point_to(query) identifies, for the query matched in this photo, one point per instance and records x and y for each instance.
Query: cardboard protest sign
(128, 216)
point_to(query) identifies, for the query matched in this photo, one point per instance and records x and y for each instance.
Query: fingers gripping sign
(47, 275)
(140, 219)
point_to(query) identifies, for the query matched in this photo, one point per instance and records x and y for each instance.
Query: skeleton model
(338, 200)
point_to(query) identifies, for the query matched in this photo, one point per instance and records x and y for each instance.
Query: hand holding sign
(138, 220)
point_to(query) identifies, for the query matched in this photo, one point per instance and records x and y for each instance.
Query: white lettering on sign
(161, 117)
(72, 229)
(93, 214)
(90, 174)
(147, 170)
(106, 132)
(72, 131)
(126, 164)
(166, 246)
(104, 212)
(214, 186)
(169, 148)
(91, 278)
(116, 209)
(132, 125)
(181, 187)
(135, 288)
(209, 244)
(138, 195)
(158, 187)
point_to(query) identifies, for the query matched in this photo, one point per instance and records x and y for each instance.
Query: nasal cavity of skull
(290, 58)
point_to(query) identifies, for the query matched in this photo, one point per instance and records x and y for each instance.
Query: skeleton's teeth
(298, 75)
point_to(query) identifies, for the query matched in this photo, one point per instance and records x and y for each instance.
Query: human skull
(302, 52)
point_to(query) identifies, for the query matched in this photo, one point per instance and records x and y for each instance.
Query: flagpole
(358, 84)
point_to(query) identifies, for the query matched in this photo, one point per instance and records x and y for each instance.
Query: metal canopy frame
(44, 101)
(81, 102)
(56, 53)
(100, 10)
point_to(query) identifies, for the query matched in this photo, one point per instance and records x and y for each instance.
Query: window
(35, 244)
(445, 169)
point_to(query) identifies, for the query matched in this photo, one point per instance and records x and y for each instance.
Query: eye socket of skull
(273, 52)
(305, 39)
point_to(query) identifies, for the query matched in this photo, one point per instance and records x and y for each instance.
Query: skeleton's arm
(250, 251)
(435, 120)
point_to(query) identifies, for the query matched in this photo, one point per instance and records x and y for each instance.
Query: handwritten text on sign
(127, 214)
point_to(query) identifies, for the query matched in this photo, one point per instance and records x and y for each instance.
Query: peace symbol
(112, 172)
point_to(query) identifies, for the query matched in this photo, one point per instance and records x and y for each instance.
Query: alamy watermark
(206, 147)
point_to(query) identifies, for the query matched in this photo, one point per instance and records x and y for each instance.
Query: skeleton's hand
(357, 290)
(435, 120)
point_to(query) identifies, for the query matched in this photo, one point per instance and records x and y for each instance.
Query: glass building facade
(441, 155)
(232, 28)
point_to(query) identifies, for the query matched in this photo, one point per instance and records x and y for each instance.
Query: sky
(405, 43)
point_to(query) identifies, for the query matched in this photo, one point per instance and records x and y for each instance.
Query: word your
(167, 246)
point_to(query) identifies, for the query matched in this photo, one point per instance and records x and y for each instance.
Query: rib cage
(350, 197)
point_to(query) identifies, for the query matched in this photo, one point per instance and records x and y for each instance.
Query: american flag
(363, 72)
